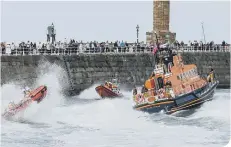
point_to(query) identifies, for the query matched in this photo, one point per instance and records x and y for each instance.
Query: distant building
(161, 21)
(51, 33)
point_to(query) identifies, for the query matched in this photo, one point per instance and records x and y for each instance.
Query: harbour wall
(82, 71)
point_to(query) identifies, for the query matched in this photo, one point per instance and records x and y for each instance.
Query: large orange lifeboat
(174, 88)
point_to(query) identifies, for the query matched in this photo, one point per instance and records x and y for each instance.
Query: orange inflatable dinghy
(37, 94)
(106, 92)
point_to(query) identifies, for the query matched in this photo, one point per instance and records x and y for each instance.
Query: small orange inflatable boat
(109, 90)
(106, 92)
(37, 95)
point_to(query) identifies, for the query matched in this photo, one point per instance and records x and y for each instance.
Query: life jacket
(110, 85)
(211, 76)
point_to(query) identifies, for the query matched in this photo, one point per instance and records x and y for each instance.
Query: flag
(155, 49)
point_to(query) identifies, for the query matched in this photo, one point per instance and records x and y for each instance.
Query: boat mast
(157, 45)
(203, 31)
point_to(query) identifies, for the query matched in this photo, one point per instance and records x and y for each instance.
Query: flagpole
(203, 31)
(157, 44)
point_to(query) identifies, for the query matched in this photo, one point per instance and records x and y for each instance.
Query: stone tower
(161, 21)
(161, 12)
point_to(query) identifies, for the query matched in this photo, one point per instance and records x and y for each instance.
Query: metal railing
(205, 49)
(103, 50)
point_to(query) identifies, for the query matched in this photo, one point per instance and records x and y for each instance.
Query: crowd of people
(73, 47)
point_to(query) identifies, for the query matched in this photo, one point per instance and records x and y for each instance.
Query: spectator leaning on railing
(73, 47)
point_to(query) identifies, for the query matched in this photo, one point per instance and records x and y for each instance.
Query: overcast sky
(107, 20)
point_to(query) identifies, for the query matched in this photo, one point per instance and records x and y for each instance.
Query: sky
(111, 20)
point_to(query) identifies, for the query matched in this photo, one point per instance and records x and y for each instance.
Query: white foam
(89, 93)
(218, 108)
(50, 75)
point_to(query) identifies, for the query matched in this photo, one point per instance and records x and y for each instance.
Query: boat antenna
(202, 25)
(157, 45)
(157, 42)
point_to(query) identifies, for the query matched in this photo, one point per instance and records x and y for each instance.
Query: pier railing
(104, 50)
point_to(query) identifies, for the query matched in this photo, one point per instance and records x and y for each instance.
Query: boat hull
(200, 98)
(37, 95)
(104, 92)
(184, 102)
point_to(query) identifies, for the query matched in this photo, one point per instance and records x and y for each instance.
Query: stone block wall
(82, 71)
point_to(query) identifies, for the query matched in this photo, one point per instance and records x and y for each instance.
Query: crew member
(210, 77)
(167, 88)
(11, 105)
(26, 95)
(106, 84)
(26, 91)
(161, 93)
(144, 89)
(134, 91)
(110, 85)
(152, 75)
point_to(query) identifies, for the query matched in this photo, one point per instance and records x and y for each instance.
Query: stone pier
(84, 70)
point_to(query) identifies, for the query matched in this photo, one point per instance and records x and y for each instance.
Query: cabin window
(191, 73)
(196, 71)
(185, 75)
(180, 76)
